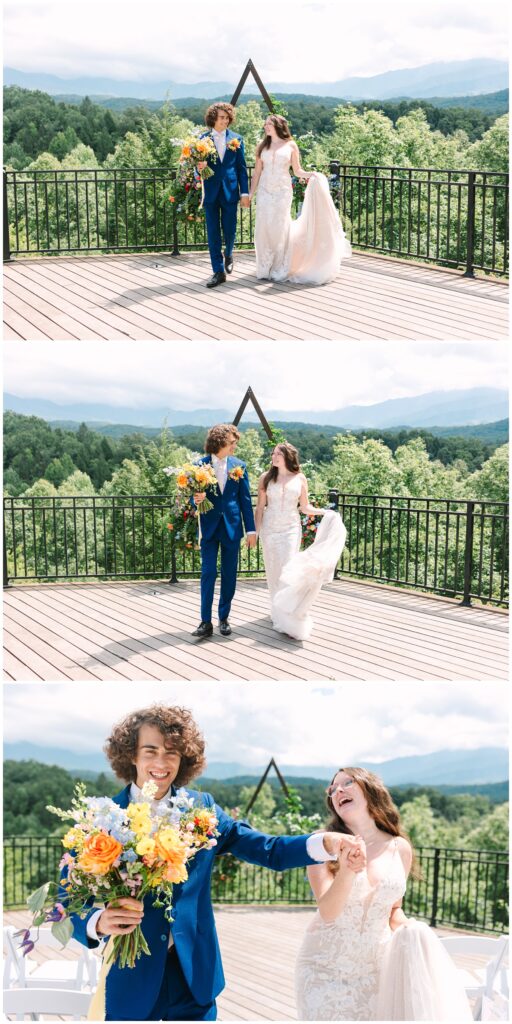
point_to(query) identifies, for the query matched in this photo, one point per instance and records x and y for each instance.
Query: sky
(297, 723)
(288, 40)
(211, 374)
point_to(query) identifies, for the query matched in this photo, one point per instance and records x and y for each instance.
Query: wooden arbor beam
(251, 70)
(284, 787)
(251, 397)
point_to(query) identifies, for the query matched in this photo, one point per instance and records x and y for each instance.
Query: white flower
(149, 790)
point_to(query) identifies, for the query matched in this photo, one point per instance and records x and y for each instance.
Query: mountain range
(444, 767)
(435, 408)
(441, 78)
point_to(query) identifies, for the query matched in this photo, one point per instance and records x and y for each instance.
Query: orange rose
(171, 849)
(99, 853)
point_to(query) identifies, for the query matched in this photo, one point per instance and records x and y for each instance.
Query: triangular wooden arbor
(251, 70)
(251, 397)
(284, 787)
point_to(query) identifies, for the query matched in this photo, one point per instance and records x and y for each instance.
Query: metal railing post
(174, 572)
(333, 497)
(435, 887)
(6, 571)
(470, 228)
(7, 240)
(175, 240)
(468, 553)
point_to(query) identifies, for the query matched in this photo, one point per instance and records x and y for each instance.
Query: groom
(222, 527)
(183, 975)
(228, 184)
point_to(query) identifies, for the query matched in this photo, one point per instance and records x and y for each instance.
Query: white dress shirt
(220, 468)
(219, 139)
(314, 847)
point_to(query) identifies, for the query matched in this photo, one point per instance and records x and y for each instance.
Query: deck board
(142, 630)
(164, 297)
(259, 946)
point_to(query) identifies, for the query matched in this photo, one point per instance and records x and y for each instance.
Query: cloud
(297, 723)
(216, 374)
(290, 40)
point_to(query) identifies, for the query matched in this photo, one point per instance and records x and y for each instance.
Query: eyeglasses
(331, 790)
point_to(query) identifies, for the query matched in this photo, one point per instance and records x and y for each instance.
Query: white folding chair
(481, 981)
(32, 1002)
(26, 972)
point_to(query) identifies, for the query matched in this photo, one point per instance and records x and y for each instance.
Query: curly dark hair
(380, 807)
(175, 722)
(218, 436)
(212, 113)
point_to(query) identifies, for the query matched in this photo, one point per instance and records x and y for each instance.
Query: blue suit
(223, 526)
(221, 194)
(182, 984)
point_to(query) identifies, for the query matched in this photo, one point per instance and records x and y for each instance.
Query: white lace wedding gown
(295, 577)
(307, 250)
(356, 968)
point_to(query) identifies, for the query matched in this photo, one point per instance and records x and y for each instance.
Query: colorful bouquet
(113, 852)
(309, 528)
(183, 525)
(191, 479)
(187, 195)
(195, 150)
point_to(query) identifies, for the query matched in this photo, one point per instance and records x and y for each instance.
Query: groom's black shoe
(204, 630)
(216, 279)
(228, 264)
(224, 627)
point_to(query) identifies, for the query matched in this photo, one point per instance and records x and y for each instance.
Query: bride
(307, 250)
(361, 957)
(294, 579)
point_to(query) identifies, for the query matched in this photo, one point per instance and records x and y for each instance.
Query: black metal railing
(450, 547)
(449, 217)
(462, 888)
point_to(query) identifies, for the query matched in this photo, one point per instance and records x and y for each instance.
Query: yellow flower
(182, 480)
(73, 838)
(145, 847)
(170, 848)
(139, 817)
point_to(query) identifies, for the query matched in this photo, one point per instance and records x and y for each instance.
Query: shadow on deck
(161, 296)
(137, 631)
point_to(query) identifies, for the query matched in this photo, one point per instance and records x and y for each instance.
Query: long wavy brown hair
(173, 722)
(380, 807)
(282, 128)
(291, 460)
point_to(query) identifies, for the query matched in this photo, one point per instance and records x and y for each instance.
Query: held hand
(201, 165)
(245, 202)
(251, 540)
(334, 842)
(356, 856)
(198, 498)
(121, 917)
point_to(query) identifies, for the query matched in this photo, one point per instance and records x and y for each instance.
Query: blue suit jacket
(132, 992)
(230, 177)
(234, 504)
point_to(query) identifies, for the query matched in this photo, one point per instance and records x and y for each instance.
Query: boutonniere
(237, 473)
(234, 144)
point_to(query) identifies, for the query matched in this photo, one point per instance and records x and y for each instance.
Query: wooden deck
(259, 946)
(161, 296)
(136, 631)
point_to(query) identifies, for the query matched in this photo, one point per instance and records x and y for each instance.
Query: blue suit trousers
(220, 214)
(175, 1000)
(228, 566)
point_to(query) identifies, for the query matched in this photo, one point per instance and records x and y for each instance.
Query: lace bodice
(282, 502)
(339, 962)
(275, 176)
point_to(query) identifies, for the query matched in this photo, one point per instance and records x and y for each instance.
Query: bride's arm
(397, 917)
(258, 167)
(305, 507)
(297, 169)
(331, 892)
(262, 501)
